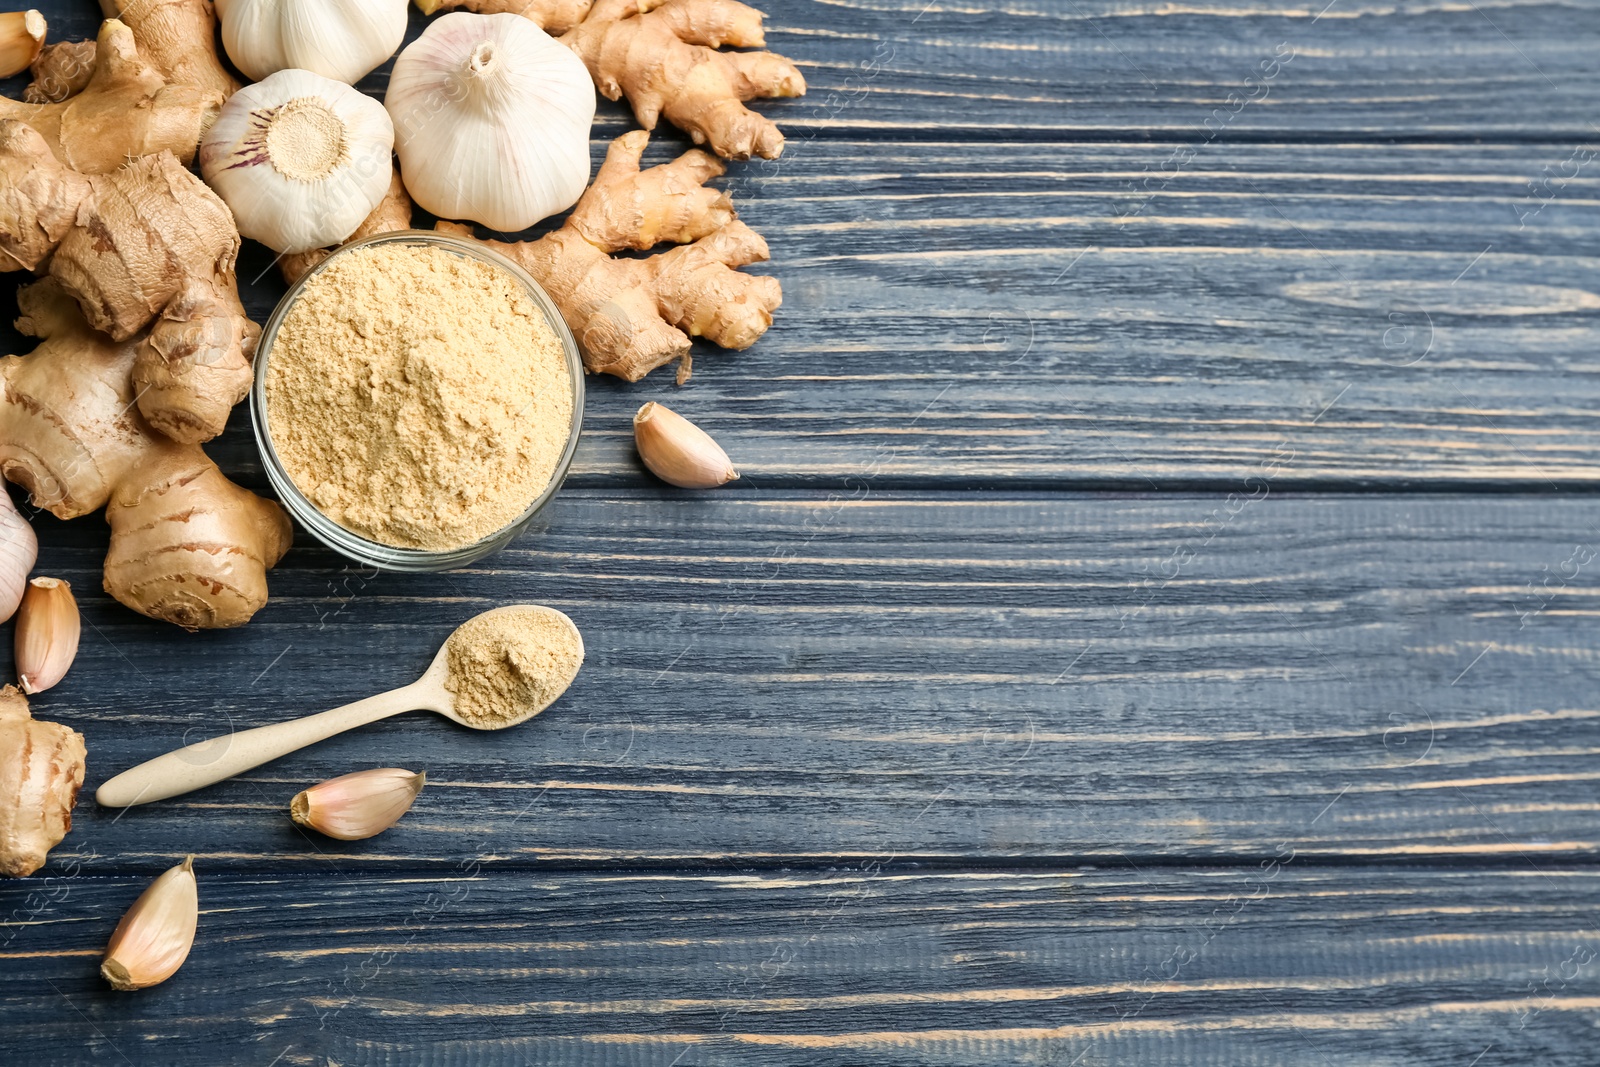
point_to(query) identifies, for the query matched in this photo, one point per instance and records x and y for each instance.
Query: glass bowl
(376, 553)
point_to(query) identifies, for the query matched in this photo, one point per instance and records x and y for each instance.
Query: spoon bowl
(208, 762)
(438, 672)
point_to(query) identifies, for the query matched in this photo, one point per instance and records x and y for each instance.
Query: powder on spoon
(506, 662)
(417, 397)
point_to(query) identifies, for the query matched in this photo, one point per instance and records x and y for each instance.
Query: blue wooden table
(1156, 624)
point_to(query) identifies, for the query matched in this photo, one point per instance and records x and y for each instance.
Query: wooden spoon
(208, 762)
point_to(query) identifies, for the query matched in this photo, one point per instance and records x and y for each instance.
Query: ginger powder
(510, 663)
(417, 397)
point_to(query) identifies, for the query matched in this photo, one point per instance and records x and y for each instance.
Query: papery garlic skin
(48, 627)
(340, 39)
(491, 119)
(19, 550)
(354, 807)
(155, 936)
(300, 160)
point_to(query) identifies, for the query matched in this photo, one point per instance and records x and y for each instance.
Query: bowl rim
(349, 543)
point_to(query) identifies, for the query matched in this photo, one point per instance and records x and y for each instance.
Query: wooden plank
(801, 678)
(957, 315)
(1367, 315)
(1053, 68)
(1345, 967)
(1510, 69)
(1097, 315)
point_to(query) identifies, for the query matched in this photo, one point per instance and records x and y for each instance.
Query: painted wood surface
(955, 315)
(1262, 965)
(1127, 315)
(1388, 314)
(1155, 625)
(963, 677)
(1129, 70)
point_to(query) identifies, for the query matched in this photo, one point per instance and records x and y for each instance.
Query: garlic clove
(21, 38)
(340, 39)
(679, 452)
(19, 550)
(155, 936)
(357, 806)
(47, 634)
(491, 118)
(300, 160)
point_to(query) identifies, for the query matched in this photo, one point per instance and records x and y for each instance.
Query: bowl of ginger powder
(417, 400)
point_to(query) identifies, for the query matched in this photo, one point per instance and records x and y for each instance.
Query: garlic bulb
(299, 159)
(340, 39)
(491, 120)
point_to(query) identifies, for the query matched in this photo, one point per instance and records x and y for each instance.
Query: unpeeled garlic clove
(357, 806)
(21, 37)
(47, 634)
(19, 550)
(679, 452)
(155, 936)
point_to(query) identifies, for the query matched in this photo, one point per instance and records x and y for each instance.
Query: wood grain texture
(1100, 315)
(851, 728)
(1120, 70)
(1061, 68)
(961, 315)
(798, 678)
(1254, 966)
(1061, 315)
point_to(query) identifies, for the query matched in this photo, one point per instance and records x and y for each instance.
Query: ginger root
(148, 243)
(61, 71)
(179, 38)
(41, 770)
(664, 59)
(663, 56)
(127, 110)
(176, 37)
(630, 316)
(187, 545)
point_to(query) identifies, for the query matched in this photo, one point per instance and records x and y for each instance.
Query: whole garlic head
(491, 120)
(340, 39)
(299, 159)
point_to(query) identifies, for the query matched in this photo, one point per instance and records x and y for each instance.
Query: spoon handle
(207, 762)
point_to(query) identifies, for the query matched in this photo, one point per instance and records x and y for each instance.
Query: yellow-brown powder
(417, 397)
(507, 663)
